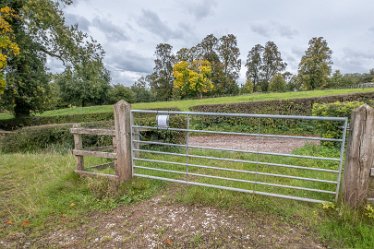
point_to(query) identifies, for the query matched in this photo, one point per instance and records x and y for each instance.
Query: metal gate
(161, 149)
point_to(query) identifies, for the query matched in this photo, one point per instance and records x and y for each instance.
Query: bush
(330, 129)
(55, 137)
(58, 136)
(13, 124)
(284, 107)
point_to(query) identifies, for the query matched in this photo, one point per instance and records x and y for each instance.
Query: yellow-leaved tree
(192, 79)
(8, 47)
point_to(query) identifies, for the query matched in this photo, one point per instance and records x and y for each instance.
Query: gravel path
(265, 144)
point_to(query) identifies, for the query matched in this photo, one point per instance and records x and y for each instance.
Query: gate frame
(359, 163)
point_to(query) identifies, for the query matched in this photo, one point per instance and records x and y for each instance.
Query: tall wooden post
(78, 145)
(360, 157)
(123, 138)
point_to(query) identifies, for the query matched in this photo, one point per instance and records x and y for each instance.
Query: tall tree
(8, 47)
(254, 65)
(272, 64)
(141, 90)
(207, 48)
(278, 83)
(85, 84)
(315, 65)
(42, 32)
(229, 56)
(161, 79)
(27, 81)
(192, 79)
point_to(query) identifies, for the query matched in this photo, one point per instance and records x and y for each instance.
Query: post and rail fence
(358, 179)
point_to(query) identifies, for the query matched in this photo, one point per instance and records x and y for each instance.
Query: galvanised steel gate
(161, 150)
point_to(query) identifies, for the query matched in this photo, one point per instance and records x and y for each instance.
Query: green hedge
(13, 124)
(337, 109)
(284, 107)
(58, 136)
(55, 137)
(266, 125)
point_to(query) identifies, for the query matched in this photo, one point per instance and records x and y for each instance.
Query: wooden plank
(102, 166)
(96, 174)
(122, 112)
(88, 131)
(100, 148)
(95, 153)
(78, 145)
(360, 157)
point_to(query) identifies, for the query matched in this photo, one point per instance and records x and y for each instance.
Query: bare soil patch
(160, 223)
(265, 144)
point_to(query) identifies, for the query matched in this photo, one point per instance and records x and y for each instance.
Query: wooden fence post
(123, 165)
(360, 157)
(78, 145)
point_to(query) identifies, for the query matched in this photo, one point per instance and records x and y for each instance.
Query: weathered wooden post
(78, 145)
(360, 156)
(123, 165)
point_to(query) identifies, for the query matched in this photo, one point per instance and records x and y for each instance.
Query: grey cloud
(152, 22)
(125, 77)
(270, 29)
(82, 22)
(129, 61)
(358, 54)
(354, 60)
(111, 31)
(286, 31)
(261, 29)
(201, 9)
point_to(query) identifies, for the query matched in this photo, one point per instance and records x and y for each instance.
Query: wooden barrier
(360, 157)
(121, 146)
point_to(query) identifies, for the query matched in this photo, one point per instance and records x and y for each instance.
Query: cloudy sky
(130, 30)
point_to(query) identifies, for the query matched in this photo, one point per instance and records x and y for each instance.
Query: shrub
(55, 137)
(338, 109)
(13, 124)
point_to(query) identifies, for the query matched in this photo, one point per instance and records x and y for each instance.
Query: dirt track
(284, 145)
(159, 223)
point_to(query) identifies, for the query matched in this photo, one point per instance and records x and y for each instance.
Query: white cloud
(130, 30)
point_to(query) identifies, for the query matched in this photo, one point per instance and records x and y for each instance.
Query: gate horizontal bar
(222, 114)
(236, 180)
(235, 170)
(240, 133)
(245, 151)
(232, 189)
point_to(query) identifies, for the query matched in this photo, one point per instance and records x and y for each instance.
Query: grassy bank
(39, 190)
(186, 104)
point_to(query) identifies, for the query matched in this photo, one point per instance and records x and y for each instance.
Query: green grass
(186, 104)
(42, 189)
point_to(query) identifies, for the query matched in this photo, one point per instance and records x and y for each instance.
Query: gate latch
(162, 121)
(372, 172)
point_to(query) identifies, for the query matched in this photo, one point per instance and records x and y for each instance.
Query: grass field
(40, 190)
(186, 104)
